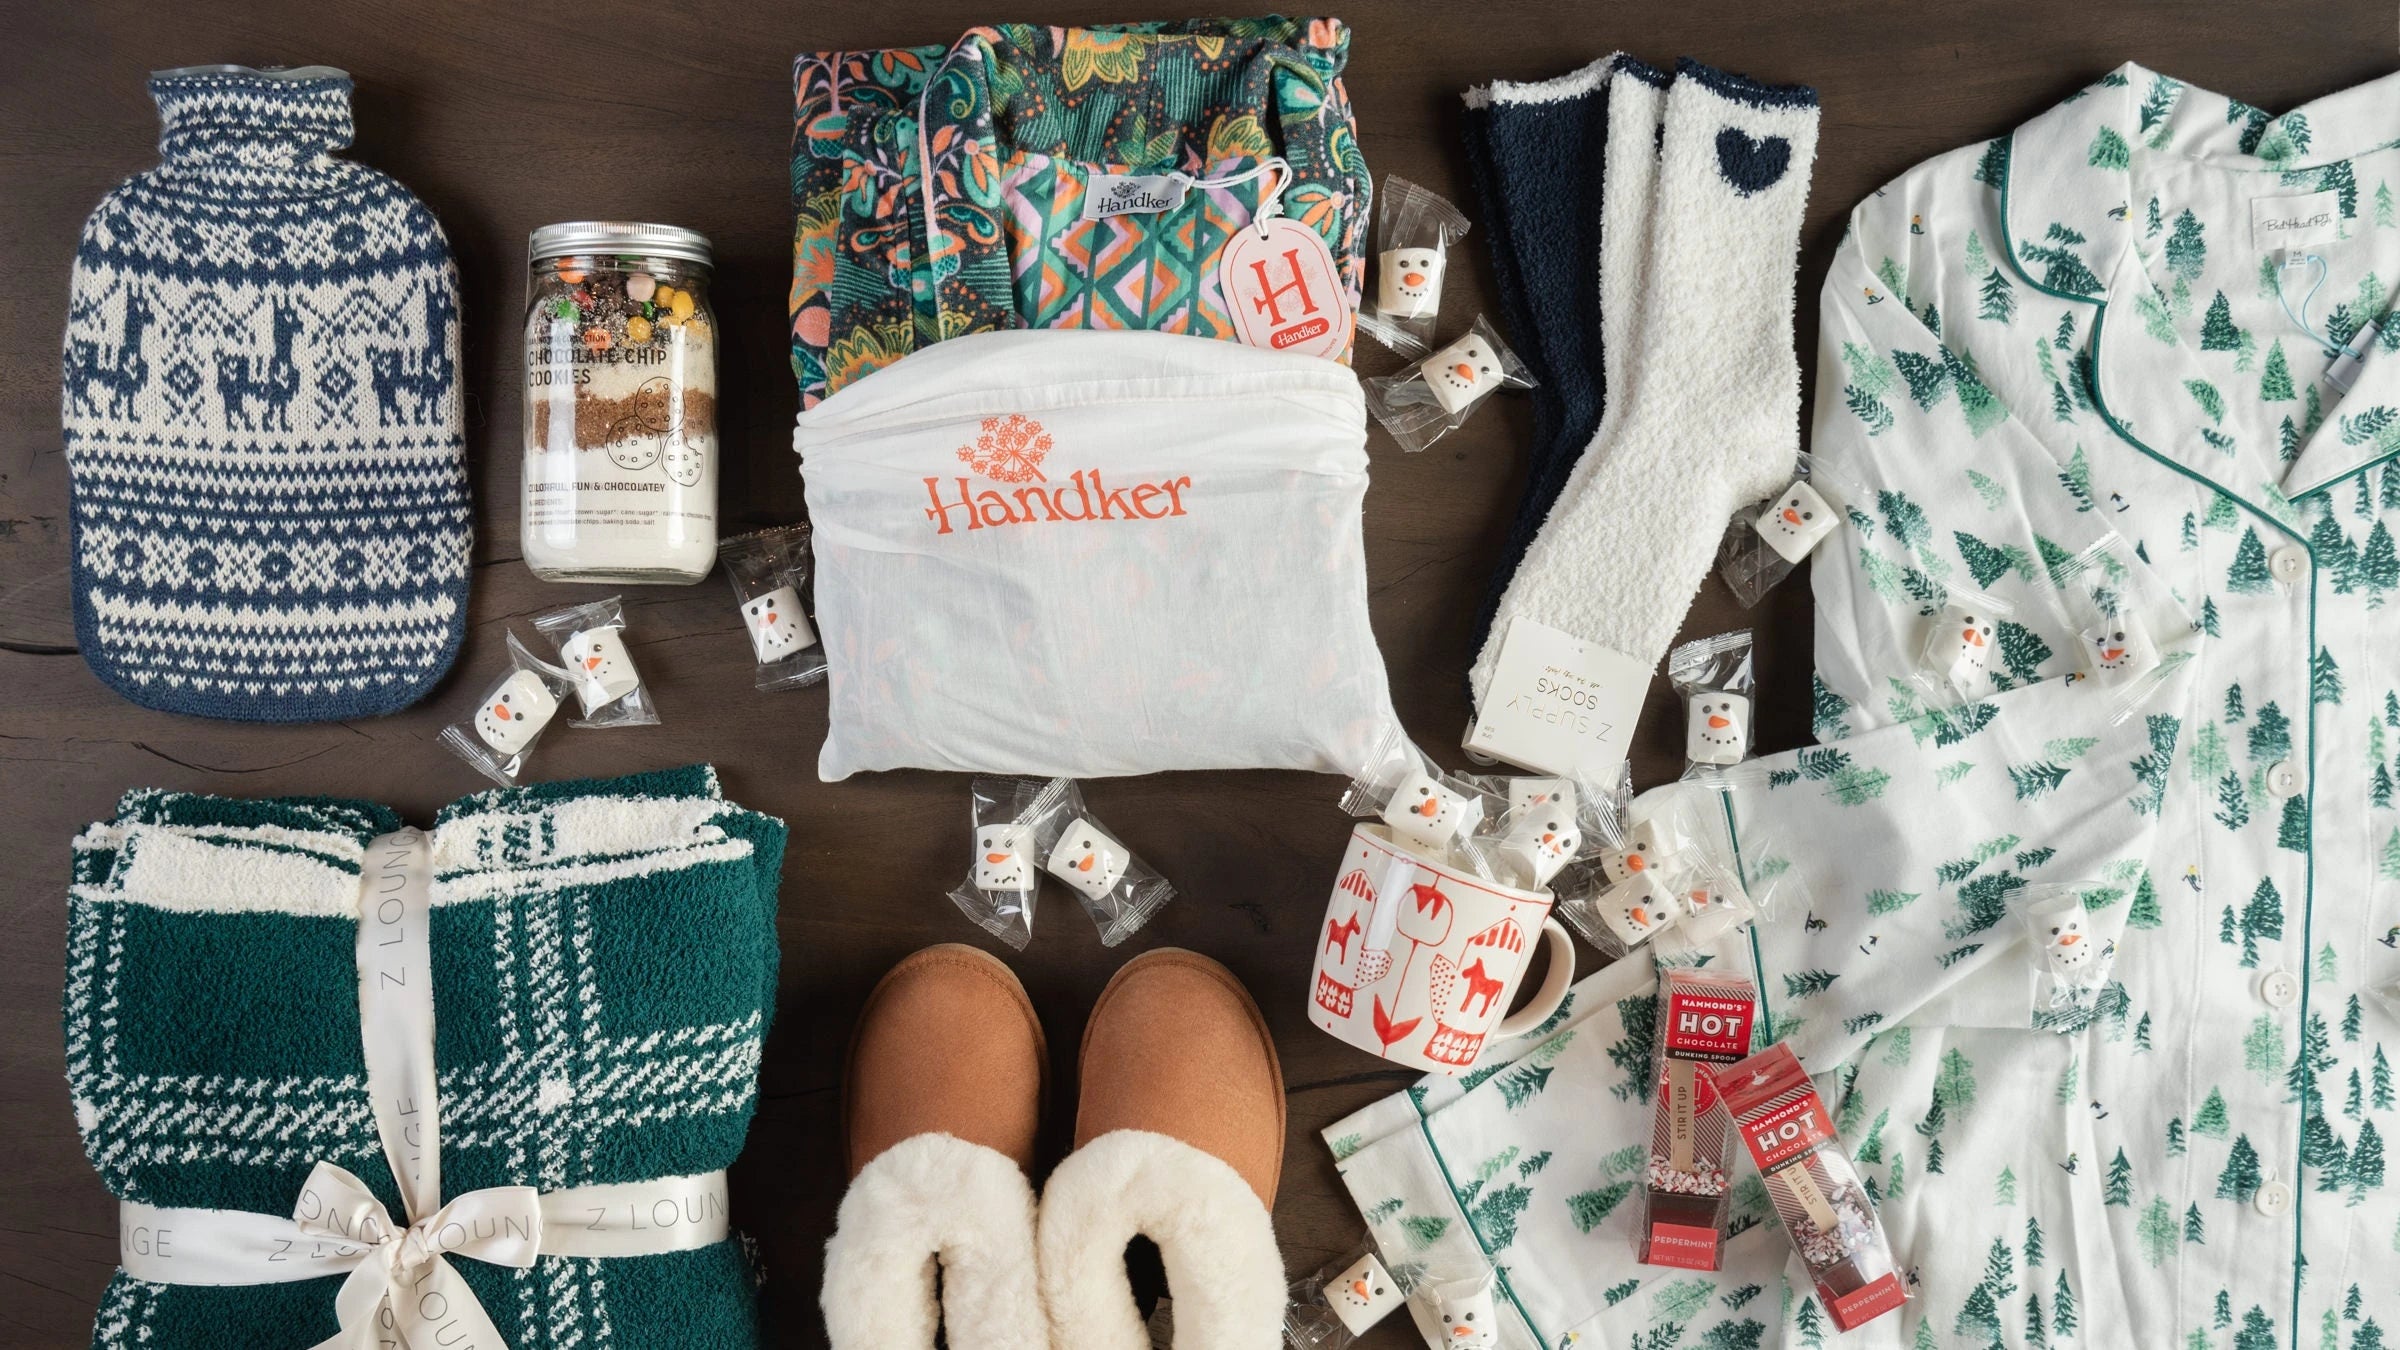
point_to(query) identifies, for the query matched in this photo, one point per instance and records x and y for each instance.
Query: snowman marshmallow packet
(1972, 645)
(2121, 614)
(498, 737)
(1414, 229)
(591, 647)
(1341, 1301)
(1715, 679)
(1118, 890)
(1625, 894)
(2071, 950)
(1430, 810)
(769, 572)
(1436, 396)
(1768, 541)
(1550, 823)
(1004, 872)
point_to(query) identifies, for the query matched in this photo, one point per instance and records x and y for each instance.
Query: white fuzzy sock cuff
(1710, 417)
(1223, 1270)
(931, 1202)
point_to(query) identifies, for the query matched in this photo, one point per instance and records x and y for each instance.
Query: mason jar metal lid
(619, 237)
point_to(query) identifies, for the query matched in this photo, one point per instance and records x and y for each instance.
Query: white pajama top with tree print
(2132, 365)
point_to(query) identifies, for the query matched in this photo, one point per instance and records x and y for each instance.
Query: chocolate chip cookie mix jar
(620, 404)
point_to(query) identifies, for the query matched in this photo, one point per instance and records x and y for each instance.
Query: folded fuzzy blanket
(603, 966)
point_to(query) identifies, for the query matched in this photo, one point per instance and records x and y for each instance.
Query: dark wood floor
(506, 117)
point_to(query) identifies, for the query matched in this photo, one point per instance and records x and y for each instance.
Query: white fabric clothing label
(2301, 221)
(1558, 704)
(395, 1010)
(1083, 554)
(1129, 194)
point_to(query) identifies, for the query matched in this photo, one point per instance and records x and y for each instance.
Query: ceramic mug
(1419, 959)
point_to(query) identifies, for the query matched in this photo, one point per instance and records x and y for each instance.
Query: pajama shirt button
(2289, 563)
(2279, 989)
(2273, 1199)
(2284, 779)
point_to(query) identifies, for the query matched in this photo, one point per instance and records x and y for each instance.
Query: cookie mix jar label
(620, 476)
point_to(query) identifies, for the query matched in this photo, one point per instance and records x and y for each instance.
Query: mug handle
(1553, 992)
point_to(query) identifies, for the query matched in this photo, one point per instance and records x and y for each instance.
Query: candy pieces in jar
(769, 573)
(500, 734)
(620, 430)
(592, 650)
(1440, 392)
(1414, 228)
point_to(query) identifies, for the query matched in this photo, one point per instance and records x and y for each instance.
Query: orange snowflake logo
(1009, 449)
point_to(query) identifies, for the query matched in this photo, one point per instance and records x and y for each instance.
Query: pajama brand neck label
(2295, 222)
(1283, 290)
(1126, 194)
(1558, 704)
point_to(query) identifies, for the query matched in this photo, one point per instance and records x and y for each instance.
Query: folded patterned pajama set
(253, 1084)
(1078, 510)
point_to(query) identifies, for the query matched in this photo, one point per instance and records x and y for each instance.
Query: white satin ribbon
(400, 1287)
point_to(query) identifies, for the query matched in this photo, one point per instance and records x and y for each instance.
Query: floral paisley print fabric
(2079, 329)
(993, 143)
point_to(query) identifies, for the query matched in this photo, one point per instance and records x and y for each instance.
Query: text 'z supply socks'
(1707, 417)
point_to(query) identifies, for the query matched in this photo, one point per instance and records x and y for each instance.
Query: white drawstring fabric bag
(1084, 554)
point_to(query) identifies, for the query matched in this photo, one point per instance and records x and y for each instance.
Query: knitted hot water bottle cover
(269, 495)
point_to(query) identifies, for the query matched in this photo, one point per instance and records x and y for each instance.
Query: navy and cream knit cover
(270, 515)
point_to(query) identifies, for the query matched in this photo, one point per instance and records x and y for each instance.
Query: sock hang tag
(1283, 290)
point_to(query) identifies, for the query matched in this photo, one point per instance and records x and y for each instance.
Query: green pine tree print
(2366, 1163)
(2263, 1050)
(2292, 832)
(2217, 331)
(1999, 298)
(2062, 1308)
(2108, 150)
(2249, 575)
(2379, 564)
(2034, 1250)
(2387, 865)
(2187, 250)
(2206, 395)
(2004, 1187)
(2240, 1179)
(2275, 380)
(2286, 138)
(2385, 217)
(1742, 1335)
(1992, 169)
(2064, 270)
(1587, 1209)
(2155, 106)
(2336, 556)
(2118, 1190)
(2262, 917)
(2210, 1119)
(2194, 1230)
(2156, 1232)
(1870, 378)
(2175, 1144)
(1987, 563)
(1424, 1230)
(2271, 734)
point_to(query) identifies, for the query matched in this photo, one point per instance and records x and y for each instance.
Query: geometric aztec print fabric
(2027, 345)
(603, 963)
(262, 425)
(1018, 120)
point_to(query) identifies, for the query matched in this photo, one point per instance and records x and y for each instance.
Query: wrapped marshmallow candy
(1795, 521)
(1465, 1314)
(1118, 890)
(1437, 396)
(591, 646)
(1715, 678)
(1962, 647)
(1340, 1303)
(1771, 539)
(2073, 952)
(1615, 916)
(1543, 836)
(2118, 650)
(768, 570)
(511, 716)
(1430, 810)
(1003, 873)
(1414, 228)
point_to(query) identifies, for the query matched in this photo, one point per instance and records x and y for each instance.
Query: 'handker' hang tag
(1283, 290)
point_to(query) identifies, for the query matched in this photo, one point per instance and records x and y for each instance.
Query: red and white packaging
(1703, 1022)
(1814, 1186)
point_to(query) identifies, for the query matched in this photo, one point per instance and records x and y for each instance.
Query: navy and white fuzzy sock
(260, 387)
(1708, 417)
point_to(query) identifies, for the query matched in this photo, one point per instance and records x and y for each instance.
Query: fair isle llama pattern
(262, 426)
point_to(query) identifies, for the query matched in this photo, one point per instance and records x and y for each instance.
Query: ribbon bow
(403, 1285)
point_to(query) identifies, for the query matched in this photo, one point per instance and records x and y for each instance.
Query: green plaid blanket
(604, 970)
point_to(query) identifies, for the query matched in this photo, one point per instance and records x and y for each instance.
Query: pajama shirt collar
(2080, 214)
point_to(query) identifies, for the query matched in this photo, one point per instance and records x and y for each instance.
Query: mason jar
(620, 477)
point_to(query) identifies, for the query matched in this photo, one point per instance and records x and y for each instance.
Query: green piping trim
(1499, 1276)
(1758, 964)
(2369, 467)
(2309, 884)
